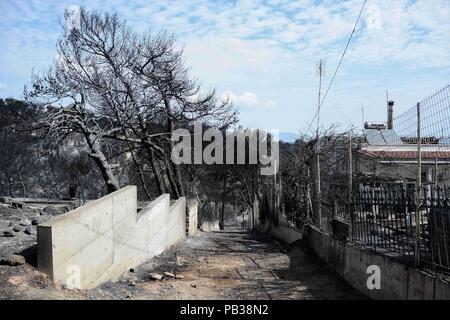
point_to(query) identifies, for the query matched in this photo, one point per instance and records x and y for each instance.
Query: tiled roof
(405, 155)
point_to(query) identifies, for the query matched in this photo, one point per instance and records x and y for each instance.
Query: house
(385, 156)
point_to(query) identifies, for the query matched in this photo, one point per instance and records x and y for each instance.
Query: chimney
(390, 115)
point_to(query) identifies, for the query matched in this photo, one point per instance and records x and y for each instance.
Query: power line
(339, 64)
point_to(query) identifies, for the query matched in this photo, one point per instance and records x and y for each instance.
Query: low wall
(283, 231)
(99, 241)
(152, 229)
(210, 226)
(397, 281)
(286, 233)
(176, 226)
(192, 213)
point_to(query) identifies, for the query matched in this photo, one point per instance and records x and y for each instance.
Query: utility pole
(318, 100)
(275, 211)
(435, 171)
(350, 187)
(318, 194)
(362, 118)
(418, 187)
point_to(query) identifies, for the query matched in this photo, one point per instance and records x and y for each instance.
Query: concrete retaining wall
(176, 226)
(106, 237)
(286, 233)
(210, 226)
(151, 229)
(397, 281)
(192, 212)
(283, 231)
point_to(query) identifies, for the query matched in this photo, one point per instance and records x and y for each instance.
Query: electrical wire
(339, 64)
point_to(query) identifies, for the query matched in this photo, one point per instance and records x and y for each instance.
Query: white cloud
(247, 100)
(374, 20)
(270, 104)
(265, 51)
(257, 32)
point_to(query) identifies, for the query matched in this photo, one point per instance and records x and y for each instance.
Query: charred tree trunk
(10, 183)
(141, 176)
(222, 208)
(179, 180)
(140, 172)
(155, 168)
(222, 216)
(172, 182)
(175, 167)
(99, 157)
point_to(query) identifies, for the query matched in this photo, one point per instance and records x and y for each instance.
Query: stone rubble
(13, 260)
(156, 276)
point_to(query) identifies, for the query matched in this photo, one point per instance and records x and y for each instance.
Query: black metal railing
(384, 218)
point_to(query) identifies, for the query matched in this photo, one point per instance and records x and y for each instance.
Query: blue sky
(263, 54)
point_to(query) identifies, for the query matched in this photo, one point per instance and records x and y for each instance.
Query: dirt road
(236, 264)
(231, 264)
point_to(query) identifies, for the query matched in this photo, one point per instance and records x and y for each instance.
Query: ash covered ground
(229, 264)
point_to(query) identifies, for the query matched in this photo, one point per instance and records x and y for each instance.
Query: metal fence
(400, 177)
(424, 131)
(384, 218)
(401, 194)
(390, 183)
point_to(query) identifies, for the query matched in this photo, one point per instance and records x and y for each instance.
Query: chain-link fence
(387, 188)
(401, 201)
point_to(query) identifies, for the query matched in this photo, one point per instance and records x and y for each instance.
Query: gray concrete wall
(397, 281)
(151, 229)
(209, 226)
(192, 212)
(106, 237)
(207, 217)
(283, 231)
(176, 226)
(286, 233)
